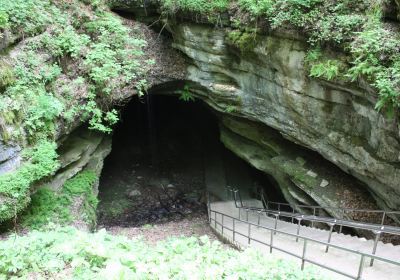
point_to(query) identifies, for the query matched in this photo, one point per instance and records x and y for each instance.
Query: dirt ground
(188, 226)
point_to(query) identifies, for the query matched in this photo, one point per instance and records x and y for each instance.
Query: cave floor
(139, 194)
(188, 226)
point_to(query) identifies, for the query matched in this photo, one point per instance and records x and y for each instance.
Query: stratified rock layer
(270, 85)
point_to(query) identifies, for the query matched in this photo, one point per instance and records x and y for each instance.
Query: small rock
(312, 174)
(134, 193)
(139, 177)
(170, 186)
(324, 183)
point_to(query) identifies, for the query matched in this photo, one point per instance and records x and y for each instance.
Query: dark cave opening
(165, 153)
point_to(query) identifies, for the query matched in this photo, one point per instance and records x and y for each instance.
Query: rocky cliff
(269, 84)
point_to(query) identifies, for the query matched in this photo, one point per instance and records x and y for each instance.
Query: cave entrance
(165, 153)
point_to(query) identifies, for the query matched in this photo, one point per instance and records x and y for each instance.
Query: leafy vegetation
(40, 161)
(185, 94)
(74, 54)
(356, 27)
(94, 48)
(25, 17)
(49, 207)
(102, 256)
(195, 6)
(243, 40)
(322, 67)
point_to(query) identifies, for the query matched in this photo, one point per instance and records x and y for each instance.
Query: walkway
(347, 262)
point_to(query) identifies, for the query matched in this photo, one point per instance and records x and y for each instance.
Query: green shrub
(257, 7)
(105, 53)
(26, 17)
(3, 19)
(7, 77)
(329, 69)
(104, 256)
(40, 162)
(185, 94)
(355, 26)
(205, 7)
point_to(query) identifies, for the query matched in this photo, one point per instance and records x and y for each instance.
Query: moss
(48, 206)
(296, 172)
(245, 41)
(40, 161)
(357, 141)
(82, 185)
(7, 77)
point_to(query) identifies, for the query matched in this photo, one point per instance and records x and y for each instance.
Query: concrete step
(336, 258)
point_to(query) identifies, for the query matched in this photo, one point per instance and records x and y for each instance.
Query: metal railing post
(360, 268)
(234, 193)
(312, 222)
(329, 237)
(276, 222)
(293, 216)
(304, 254)
(209, 207)
(271, 242)
(378, 235)
(222, 223)
(298, 227)
(249, 232)
(383, 218)
(341, 226)
(233, 228)
(240, 198)
(259, 218)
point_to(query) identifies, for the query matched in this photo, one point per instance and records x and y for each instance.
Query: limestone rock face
(304, 177)
(270, 85)
(82, 149)
(9, 157)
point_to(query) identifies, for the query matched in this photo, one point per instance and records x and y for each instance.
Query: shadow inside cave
(165, 153)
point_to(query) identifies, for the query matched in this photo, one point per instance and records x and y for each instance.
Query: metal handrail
(314, 208)
(331, 222)
(303, 258)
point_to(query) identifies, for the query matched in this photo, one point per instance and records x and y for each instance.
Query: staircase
(343, 256)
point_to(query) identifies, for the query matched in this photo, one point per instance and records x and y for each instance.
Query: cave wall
(270, 85)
